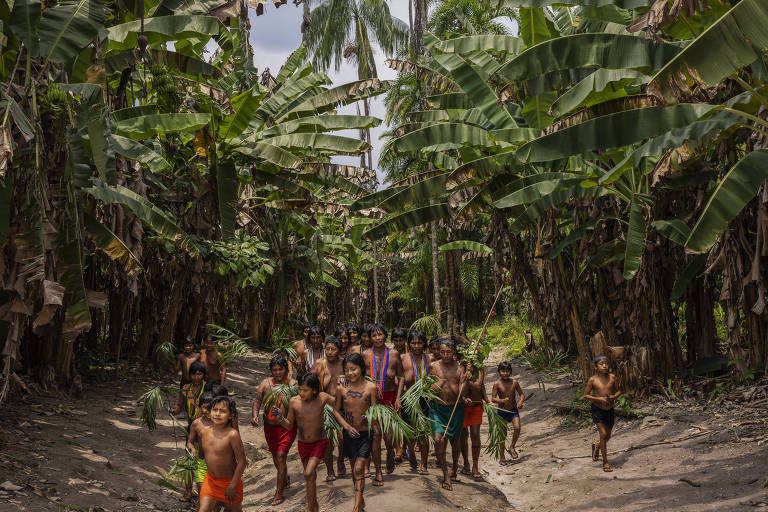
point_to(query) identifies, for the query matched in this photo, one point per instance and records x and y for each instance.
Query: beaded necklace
(419, 374)
(380, 376)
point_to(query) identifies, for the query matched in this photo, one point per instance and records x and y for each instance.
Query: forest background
(601, 162)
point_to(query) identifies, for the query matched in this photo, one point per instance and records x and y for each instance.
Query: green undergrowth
(508, 332)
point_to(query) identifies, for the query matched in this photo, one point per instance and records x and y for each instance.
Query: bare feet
(447, 485)
(277, 500)
(607, 467)
(423, 470)
(466, 471)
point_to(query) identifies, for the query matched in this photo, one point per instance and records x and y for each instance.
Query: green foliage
(153, 401)
(428, 324)
(245, 260)
(544, 360)
(497, 431)
(281, 393)
(230, 345)
(507, 332)
(332, 427)
(165, 354)
(184, 469)
(413, 398)
(389, 422)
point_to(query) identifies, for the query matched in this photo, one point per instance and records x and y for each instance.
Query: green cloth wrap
(439, 414)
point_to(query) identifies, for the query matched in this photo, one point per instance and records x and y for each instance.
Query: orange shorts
(215, 487)
(473, 415)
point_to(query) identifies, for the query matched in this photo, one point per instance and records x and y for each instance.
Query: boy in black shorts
(604, 391)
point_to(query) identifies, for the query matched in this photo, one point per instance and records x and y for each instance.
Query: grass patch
(507, 332)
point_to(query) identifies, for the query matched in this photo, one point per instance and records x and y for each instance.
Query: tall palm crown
(342, 29)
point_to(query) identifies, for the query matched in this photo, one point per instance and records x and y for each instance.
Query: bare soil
(94, 455)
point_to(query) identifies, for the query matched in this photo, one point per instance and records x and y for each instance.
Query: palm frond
(281, 392)
(281, 346)
(332, 427)
(421, 391)
(184, 469)
(229, 344)
(165, 354)
(152, 403)
(428, 324)
(389, 422)
(497, 431)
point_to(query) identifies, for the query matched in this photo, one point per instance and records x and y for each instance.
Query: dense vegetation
(604, 166)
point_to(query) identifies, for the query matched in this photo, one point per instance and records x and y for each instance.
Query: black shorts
(357, 447)
(599, 415)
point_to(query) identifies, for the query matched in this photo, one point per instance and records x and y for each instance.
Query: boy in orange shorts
(473, 418)
(225, 458)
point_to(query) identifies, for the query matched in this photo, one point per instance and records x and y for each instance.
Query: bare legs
(358, 479)
(605, 436)
(376, 455)
(310, 478)
(472, 432)
(440, 447)
(279, 460)
(423, 444)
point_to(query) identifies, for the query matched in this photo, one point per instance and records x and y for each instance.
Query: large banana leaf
(449, 100)
(319, 124)
(226, 196)
(466, 245)
(734, 191)
(602, 85)
(292, 63)
(535, 28)
(453, 135)
(481, 42)
(481, 168)
(612, 51)
(689, 273)
(169, 28)
(69, 27)
(674, 229)
(269, 153)
(416, 193)
(244, 105)
(101, 151)
(633, 250)
(732, 42)
(183, 64)
(159, 220)
(532, 188)
(372, 200)
(408, 219)
(540, 206)
(611, 131)
(23, 23)
(112, 245)
(144, 127)
(336, 97)
(78, 317)
(320, 142)
(137, 151)
(297, 85)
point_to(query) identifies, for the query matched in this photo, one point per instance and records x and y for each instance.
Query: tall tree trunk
(435, 269)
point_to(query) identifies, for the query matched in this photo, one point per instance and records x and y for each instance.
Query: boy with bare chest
(352, 401)
(216, 370)
(447, 417)
(602, 390)
(185, 360)
(306, 411)
(504, 393)
(225, 458)
(385, 367)
(473, 418)
(329, 370)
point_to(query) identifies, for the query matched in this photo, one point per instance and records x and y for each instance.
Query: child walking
(473, 418)
(351, 403)
(307, 411)
(504, 394)
(185, 360)
(225, 458)
(202, 422)
(605, 391)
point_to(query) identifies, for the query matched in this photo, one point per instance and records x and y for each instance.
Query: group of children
(350, 371)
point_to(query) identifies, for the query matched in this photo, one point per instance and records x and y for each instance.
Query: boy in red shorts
(307, 410)
(279, 439)
(473, 418)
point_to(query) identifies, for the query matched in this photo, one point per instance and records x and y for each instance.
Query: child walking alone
(602, 390)
(504, 394)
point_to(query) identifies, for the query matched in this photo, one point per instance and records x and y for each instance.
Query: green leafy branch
(389, 422)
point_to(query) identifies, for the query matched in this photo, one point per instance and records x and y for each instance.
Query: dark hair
(230, 404)
(342, 329)
(218, 390)
(206, 398)
(417, 334)
(357, 360)
(189, 340)
(333, 340)
(307, 325)
(434, 342)
(197, 367)
(310, 380)
(399, 332)
(367, 328)
(315, 330)
(377, 327)
(352, 327)
(278, 360)
(598, 358)
(505, 365)
(448, 342)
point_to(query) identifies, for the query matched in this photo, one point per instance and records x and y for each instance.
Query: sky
(277, 33)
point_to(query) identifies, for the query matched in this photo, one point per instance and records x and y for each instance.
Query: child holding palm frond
(415, 368)
(352, 401)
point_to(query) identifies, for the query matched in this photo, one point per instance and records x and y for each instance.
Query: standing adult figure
(447, 415)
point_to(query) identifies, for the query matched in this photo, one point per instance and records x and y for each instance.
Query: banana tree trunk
(435, 269)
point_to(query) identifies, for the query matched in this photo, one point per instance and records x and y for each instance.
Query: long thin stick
(474, 347)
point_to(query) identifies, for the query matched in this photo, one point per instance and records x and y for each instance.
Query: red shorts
(215, 487)
(278, 438)
(387, 398)
(473, 415)
(309, 450)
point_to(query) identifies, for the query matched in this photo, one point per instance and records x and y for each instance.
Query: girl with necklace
(415, 367)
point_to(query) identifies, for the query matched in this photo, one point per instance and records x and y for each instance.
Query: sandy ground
(94, 455)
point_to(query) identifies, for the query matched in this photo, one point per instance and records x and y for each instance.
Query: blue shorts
(509, 415)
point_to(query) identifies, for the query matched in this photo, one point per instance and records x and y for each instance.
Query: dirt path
(94, 455)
